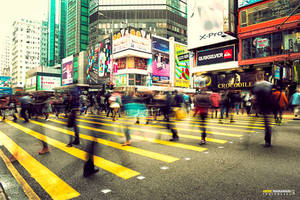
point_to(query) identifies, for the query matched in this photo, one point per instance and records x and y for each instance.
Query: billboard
(5, 85)
(67, 71)
(30, 83)
(131, 39)
(99, 62)
(206, 22)
(48, 82)
(214, 56)
(160, 60)
(182, 68)
(121, 80)
(243, 3)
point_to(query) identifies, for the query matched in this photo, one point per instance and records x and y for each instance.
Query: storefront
(269, 37)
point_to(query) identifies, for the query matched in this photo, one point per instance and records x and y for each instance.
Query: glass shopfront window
(272, 44)
(268, 11)
(137, 79)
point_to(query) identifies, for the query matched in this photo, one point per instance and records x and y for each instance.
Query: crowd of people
(262, 100)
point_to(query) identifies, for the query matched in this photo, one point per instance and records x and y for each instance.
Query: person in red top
(280, 103)
(215, 103)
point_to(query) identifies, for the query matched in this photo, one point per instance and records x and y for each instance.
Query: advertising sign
(47, 82)
(182, 68)
(243, 3)
(67, 71)
(30, 83)
(206, 23)
(132, 38)
(121, 80)
(215, 56)
(237, 80)
(5, 86)
(99, 62)
(160, 60)
(5, 82)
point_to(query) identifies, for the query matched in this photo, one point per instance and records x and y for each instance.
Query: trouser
(214, 110)
(237, 108)
(23, 113)
(203, 116)
(109, 110)
(127, 133)
(248, 108)
(223, 109)
(170, 126)
(268, 131)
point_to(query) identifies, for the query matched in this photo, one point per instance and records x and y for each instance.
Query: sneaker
(174, 139)
(202, 142)
(267, 145)
(126, 144)
(76, 142)
(44, 150)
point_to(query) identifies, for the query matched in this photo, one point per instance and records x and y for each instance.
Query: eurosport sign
(215, 56)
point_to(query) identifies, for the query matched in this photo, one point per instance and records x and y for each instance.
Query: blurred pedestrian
(215, 104)
(295, 102)
(280, 103)
(263, 95)
(202, 104)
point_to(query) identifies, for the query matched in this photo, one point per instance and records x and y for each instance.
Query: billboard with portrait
(99, 62)
(48, 82)
(160, 60)
(182, 66)
(131, 39)
(207, 21)
(67, 71)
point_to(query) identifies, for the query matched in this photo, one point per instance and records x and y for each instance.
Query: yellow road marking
(107, 165)
(208, 125)
(146, 153)
(21, 181)
(153, 140)
(51, 183)
(167, 133)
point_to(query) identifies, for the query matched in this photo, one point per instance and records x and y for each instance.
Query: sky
(15, 9)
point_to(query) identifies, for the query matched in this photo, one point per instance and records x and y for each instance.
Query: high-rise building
(25, 49)
(5, 55)
(63, 28)
(44, 44)
(54, 34)
(165, 18)
(77, 26)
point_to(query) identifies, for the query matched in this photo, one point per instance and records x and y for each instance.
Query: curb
(3, 195)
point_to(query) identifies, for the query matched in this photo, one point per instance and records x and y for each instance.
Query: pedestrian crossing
(189, 131)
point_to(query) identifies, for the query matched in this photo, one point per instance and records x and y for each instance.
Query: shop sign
(215, 56)
(237, 80)
(30, 83)
(47, 82)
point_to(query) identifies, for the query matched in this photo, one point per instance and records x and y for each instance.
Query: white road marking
(140, 177)
(164, 168)
(220, 147)
(187, 158)
(105, 191)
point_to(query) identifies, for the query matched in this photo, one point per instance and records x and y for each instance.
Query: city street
(232, 165)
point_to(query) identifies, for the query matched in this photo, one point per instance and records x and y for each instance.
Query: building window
(271, 45)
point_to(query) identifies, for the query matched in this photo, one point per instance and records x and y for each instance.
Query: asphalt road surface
(232, 165)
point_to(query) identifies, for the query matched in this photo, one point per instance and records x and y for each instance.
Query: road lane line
(51, 183)
(152, 140)
(208, 125)
(107, 165)
(21, 181)
(167, 133)
(142, 152)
